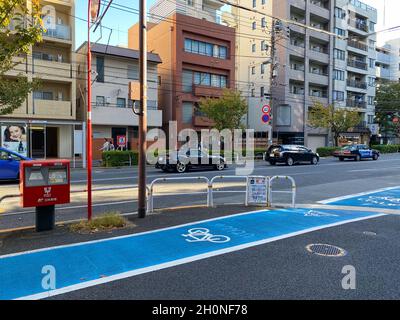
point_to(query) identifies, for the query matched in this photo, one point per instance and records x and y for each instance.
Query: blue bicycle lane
(388, 198)
(87, 264)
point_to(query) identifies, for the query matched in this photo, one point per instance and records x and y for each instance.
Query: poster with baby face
(13, 137)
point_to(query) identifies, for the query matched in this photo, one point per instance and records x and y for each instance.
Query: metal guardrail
(150, 207)
(212, 191)
(271, 191)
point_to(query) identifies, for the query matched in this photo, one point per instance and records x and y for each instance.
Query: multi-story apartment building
(112, 114)
(198, 60)
(48, 116)
(332, 65)
(318, 66)
(388, 61)
(253, 61)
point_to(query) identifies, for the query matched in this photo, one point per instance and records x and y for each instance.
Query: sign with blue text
(257, 189)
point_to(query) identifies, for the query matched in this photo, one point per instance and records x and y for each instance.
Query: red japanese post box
(44, 184)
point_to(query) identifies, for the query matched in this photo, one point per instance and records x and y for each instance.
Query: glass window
(187, 80)
(187, 112)
(197, 78)
(283, 115)
(133, 72)
(188, 45)
(100, 101)
(205, 79)
(100, 69)
(223, 81)
(215, 80)
(209, 49)
(223, 52)
(121, 103)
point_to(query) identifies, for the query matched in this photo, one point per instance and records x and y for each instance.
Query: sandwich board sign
(257, 190)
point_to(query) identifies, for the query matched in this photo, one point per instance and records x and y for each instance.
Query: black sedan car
(357, 152)
(291, 154)
(190, 159)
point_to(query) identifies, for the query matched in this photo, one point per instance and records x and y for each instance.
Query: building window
(121, 102)
(371, 81)
(253, 70)
(371, 119)
(100, 101)
(371, 100)
(263, 45)
(205, 48)
(338, 95)
(339, 54)
(262, 92)
(340, 13)
(187, 80)
(187, 112)
(133, 72)
(340, 32)
(338, 75)
(263, 23)
(284, 115)
(371, 63)
(254, 25)
(100, 69)
(253, 47)
(254, 3)
(262, 68)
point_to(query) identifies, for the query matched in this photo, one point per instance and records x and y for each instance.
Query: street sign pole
(143, 109)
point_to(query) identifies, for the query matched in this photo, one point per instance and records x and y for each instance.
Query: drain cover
(326, 250)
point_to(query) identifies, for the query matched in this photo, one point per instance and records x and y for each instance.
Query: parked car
(190, 159)
(291, 154)
(9, 164)
(357, 152)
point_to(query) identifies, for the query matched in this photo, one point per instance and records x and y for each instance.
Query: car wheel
(220, 166)
(289, 161)
(180, 167)
(314, 161)
(357, 158)
(272, 163)
(341, 159)
(375, 157)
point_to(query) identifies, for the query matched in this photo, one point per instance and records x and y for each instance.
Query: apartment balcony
(301, 4)
(62, 32)
(206, 91)
(202, 121)
(53, 109)
(357, 64)
(357, 45)
(357, 84)
(318, 76)
(46, 69)
(361, 26)
(351, 103)
(319, 55)
(296, 74)
(383, 73)
(318, 9)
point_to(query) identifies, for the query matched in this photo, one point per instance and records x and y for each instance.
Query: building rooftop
(120, 52)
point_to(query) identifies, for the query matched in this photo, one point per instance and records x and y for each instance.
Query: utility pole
(271, 80)
(143, 109)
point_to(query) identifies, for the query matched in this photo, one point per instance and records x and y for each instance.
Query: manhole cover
(326, 250)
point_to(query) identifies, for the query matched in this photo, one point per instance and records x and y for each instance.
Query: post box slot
(35, 176)
(58, 176)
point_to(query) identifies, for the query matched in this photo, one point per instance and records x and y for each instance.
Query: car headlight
(317, 154)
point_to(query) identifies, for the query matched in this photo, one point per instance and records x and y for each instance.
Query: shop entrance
(44, 142)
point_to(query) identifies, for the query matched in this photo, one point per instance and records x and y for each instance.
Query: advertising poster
(13, 137)
(257, 189)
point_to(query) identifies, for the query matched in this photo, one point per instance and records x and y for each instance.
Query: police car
(357, 152)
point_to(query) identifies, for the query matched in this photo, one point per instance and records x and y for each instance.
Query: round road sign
(266, 118)
(266, 109)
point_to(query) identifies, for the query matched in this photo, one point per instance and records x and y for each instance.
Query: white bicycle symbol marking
(314, 213)
(388, 201)
(203, 234)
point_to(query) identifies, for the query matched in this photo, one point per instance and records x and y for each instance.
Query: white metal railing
(271, 191)
(212, 190)
(150, 207)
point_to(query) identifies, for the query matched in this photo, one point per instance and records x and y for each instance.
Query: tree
(226, 111)
(388, 107)
(338, 120)
(17, 35)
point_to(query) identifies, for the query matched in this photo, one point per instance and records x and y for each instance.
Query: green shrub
(327, 151)
(120, 158)
(389, 148)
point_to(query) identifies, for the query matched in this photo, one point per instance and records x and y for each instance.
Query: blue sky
(120, 21)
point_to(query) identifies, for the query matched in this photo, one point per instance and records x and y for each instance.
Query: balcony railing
(60, 32)
(357, 64)
(359, 25)
(356, 104)
(357, 84)
(358, 45)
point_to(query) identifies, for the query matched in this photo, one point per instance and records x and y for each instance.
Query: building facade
(388, 61)
(253, 61)
(332, 62)
(48, 116)
(198, 60)
(315, 65)
(112, 114)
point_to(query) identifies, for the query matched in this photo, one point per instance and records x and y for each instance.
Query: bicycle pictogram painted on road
(203, 234)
